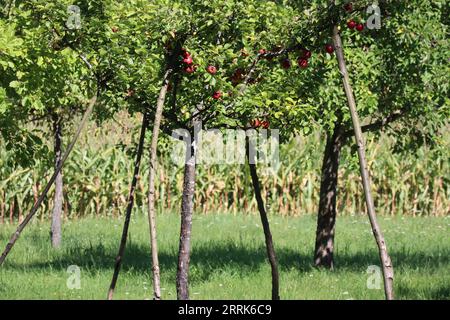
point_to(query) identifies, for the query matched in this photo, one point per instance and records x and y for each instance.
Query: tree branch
(380, 124)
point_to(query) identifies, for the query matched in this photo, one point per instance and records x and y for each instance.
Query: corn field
(96, 182)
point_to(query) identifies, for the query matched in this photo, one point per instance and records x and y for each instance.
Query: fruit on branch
(217, 95)
(302, 63)
(189, 69)
(211, 70)
(351, 24)
(306, 54)
(286, 63)
(265, 124)
(348, 7)
(360, 27)
(255, 123)
(185, 53)
(329, 48)
(188, 60)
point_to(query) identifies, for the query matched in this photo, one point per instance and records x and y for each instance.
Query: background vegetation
(98, 173)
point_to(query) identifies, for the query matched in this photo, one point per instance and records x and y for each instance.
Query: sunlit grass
(228, 259)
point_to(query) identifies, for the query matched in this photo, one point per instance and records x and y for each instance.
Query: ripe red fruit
(189, 69)
(360, 27)
(306, 54)
(185, 53)
(255, 123)
(329, 48)
(348, 7)
(286, 63)
(217, 95)
(265, 124)
(351, 24)
(303, 63)
(211, 69)
(188, 60)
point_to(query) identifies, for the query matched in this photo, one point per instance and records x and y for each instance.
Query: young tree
(400, 78)
(45, 83)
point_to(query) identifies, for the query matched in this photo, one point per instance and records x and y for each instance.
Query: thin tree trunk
(388, 270)
(326, 218)
(130, 203)
(187, 209)
(2, 209)
(12, 208)
(41, 198)
(58, 200)
(266, 227)
(151, 188)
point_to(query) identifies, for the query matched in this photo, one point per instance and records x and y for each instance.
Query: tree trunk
(187, 209)
(388, 270)
(266, 227)
(151, 188)
(41, 198)
(58, 201)
(326, 218)
(130, 203)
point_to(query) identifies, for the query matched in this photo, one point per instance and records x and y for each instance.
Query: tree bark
(58, 200)
(388, 270)
(187, 209)
(151, 188)
(266, 227)
(326, 218)
(41, 198)
(130, 203)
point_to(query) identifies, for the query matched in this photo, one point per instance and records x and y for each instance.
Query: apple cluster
(256, 123)
(189, 68)
(352, 24)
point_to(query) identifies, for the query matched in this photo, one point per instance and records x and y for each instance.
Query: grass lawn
(228, 259)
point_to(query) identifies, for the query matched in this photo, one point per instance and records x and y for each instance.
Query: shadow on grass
(440, 293)
(226, 255)
(210, 259)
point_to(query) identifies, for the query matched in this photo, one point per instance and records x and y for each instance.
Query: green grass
(228, 259)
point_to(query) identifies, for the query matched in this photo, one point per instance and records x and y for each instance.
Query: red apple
(211, 69)
(255, 123)
(360, 27)
(189, 69)
(188, 60)
(286, 63)
(185, 53)
(265, 124)
(351, 24)
(303, 63)
(217, 95)
(306, 54)
(329, 48)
